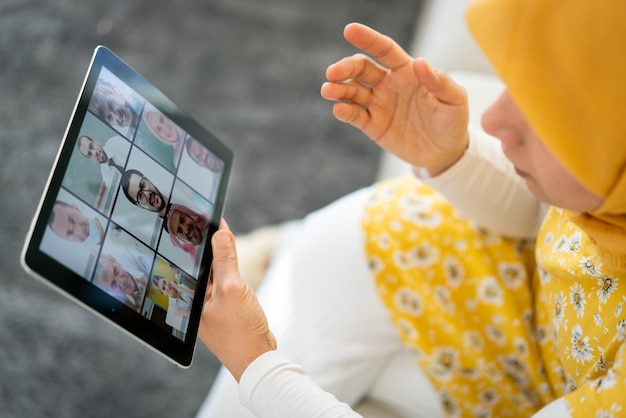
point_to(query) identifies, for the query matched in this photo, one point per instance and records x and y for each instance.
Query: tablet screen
(124, 226)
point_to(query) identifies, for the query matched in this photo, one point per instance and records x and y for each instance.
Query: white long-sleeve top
(483, 186)
(274, 387)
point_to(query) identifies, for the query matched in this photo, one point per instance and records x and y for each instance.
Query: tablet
(125, 223)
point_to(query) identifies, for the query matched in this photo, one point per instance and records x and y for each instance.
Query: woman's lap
(322, 305)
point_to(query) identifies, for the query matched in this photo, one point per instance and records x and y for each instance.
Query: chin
(549, 200)
(198, 238)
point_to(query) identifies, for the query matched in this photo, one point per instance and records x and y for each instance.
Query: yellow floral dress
(496, 335)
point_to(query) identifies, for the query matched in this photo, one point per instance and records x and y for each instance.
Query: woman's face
(545, 176)
(165, 287)
(163, 127)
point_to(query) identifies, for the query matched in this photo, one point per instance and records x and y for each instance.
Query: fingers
(349, 91)
(352, 114)
(439, 83)
(380, 46)
(358, 67)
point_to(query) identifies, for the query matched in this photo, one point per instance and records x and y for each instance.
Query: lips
(84, 231)
(170, 132)
(197, 234)
(121, 115)
(192, 234)
(154, 200)
(521, 173)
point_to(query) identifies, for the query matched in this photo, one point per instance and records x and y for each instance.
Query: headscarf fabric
(564, 64)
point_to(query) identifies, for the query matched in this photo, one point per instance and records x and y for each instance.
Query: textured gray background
(250, 71)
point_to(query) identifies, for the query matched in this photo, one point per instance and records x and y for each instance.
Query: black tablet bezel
(42, 266)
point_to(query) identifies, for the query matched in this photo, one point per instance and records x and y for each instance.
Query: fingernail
(222, 238)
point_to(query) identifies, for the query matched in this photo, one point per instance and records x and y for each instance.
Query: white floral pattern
(581, 350)
(577, 298)
(493, 340)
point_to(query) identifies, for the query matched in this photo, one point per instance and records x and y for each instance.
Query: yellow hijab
(564, 63)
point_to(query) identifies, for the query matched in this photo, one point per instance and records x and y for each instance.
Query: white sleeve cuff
(256, 372)
(274, 387)
(483, 186)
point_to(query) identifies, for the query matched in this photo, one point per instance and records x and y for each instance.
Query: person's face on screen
(203, 157)
(165, 286)
(92, 149)
(115, 278)
(118, 111)
(163, 127)
(145, 194)
(69, 223)
(186, 228)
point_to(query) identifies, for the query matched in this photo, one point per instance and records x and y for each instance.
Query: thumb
(225, 262)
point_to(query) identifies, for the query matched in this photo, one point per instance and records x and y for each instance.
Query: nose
(500, 120)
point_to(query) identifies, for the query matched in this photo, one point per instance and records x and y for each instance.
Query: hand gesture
(409, 109)
(233, 325)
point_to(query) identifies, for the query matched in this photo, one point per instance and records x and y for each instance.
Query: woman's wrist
(241, 364)
(435, 170)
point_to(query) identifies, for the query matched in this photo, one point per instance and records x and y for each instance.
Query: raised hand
(408, 108)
